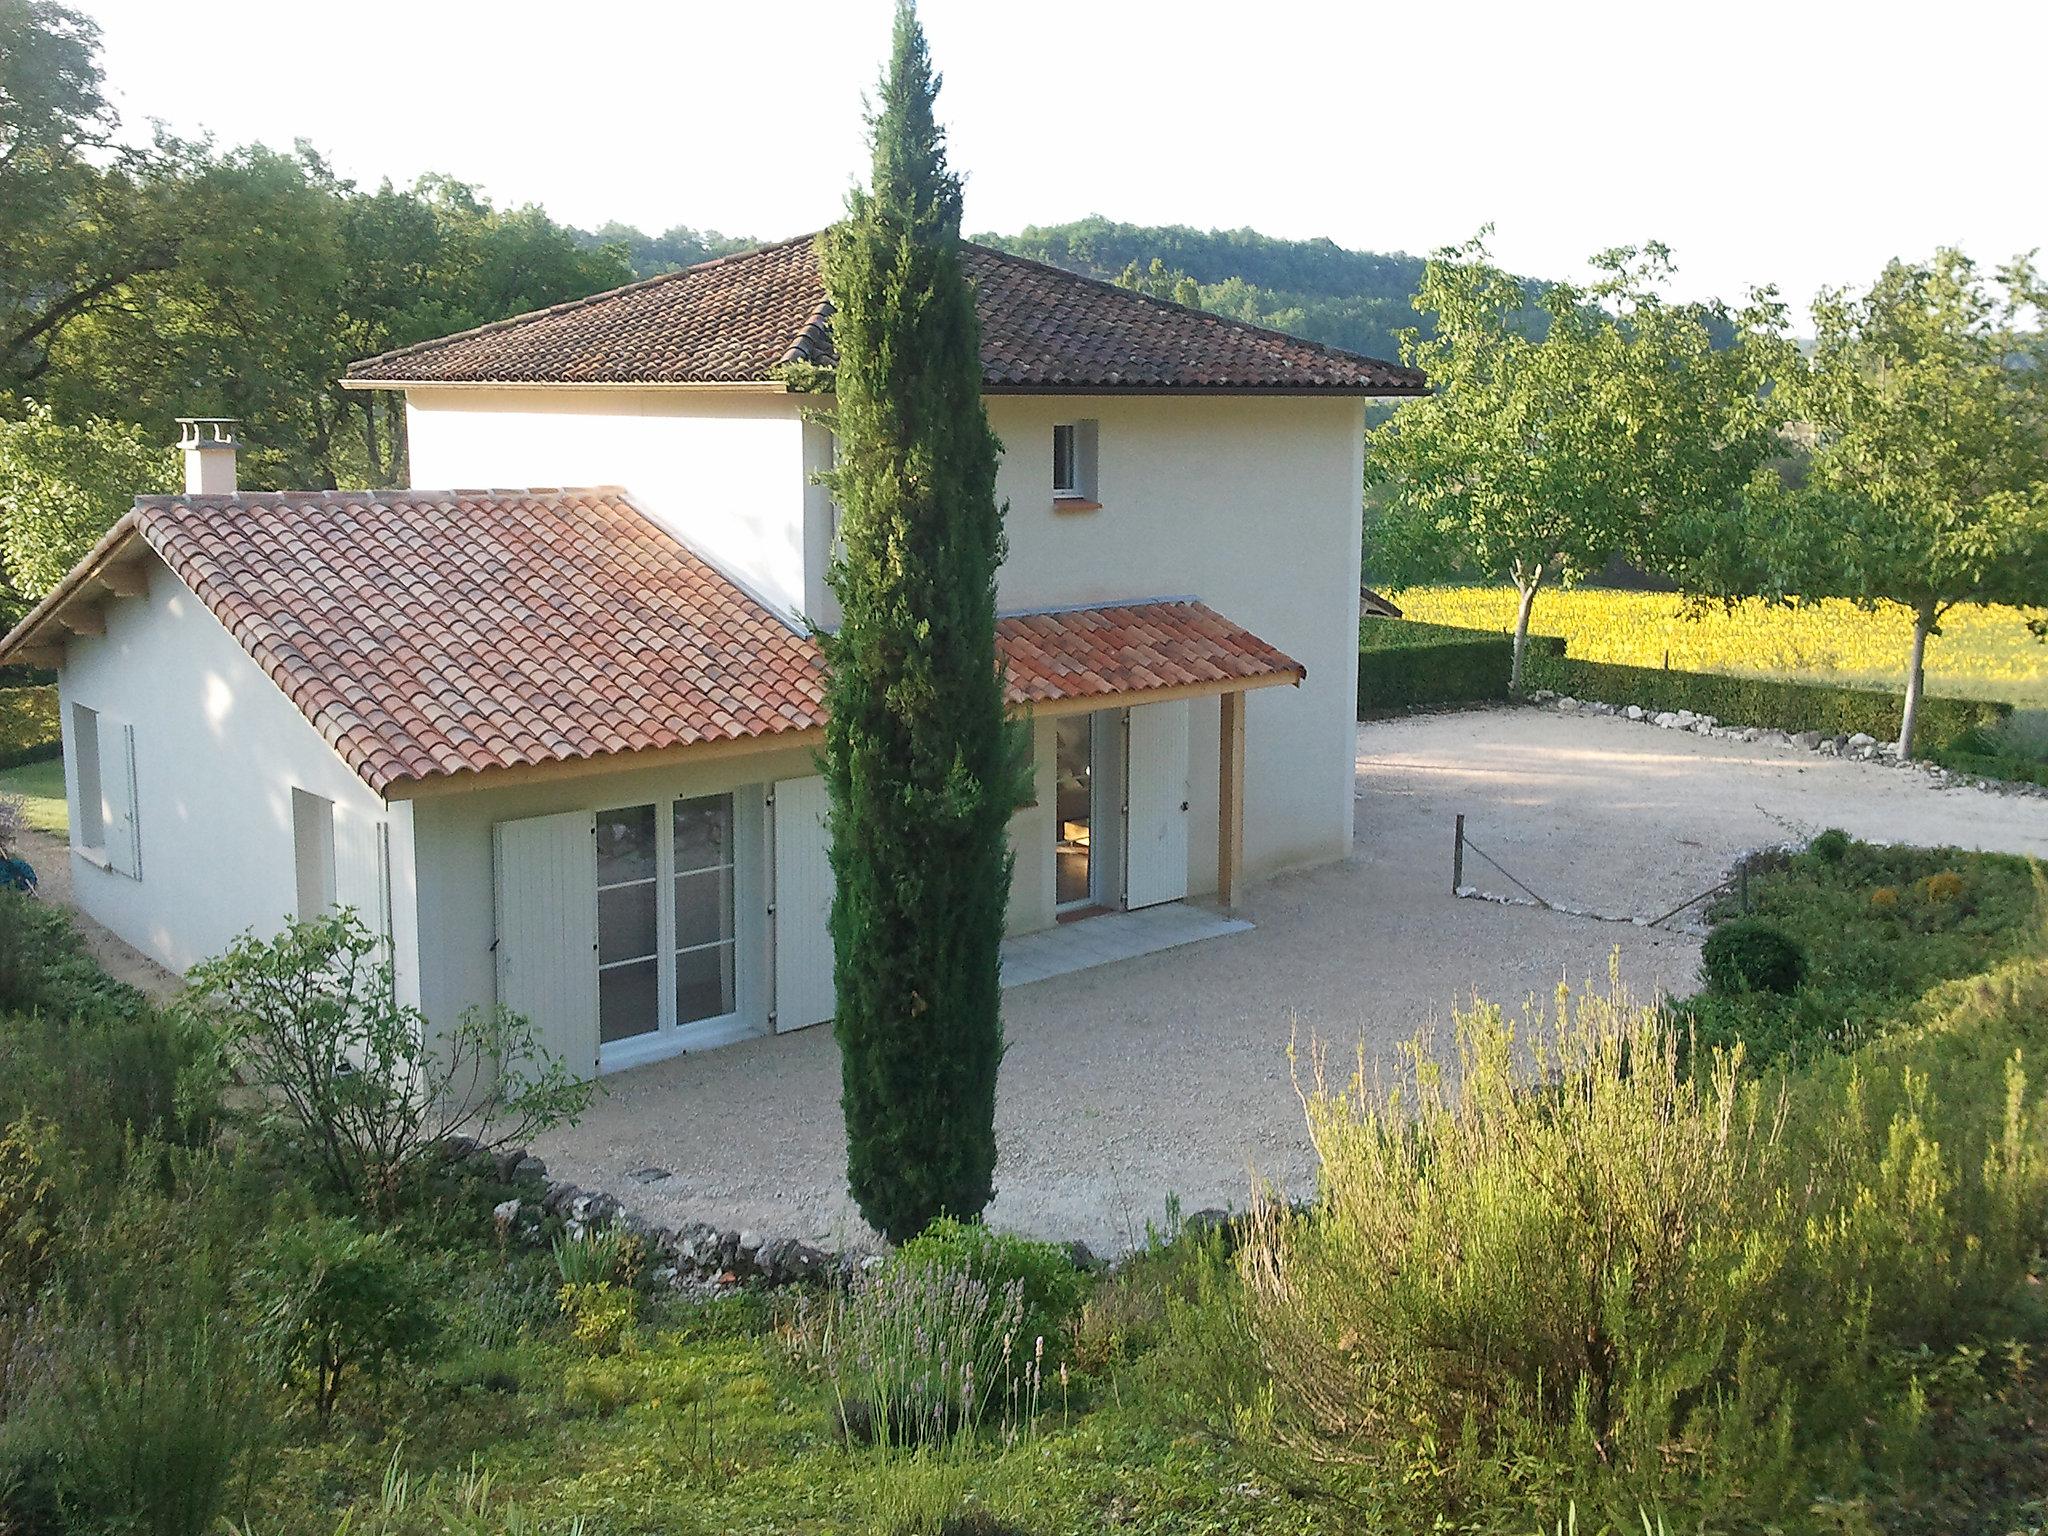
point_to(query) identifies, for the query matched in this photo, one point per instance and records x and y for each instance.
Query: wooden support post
(1458, 857)
(1230, 803)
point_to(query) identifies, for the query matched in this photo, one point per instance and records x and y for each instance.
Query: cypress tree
(921, 778)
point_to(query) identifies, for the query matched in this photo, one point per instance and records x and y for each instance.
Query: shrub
(1766, 702)
(29, 730)
(45, 968)
(331, 1300)
(1942, 886)
(1751, 955)
(1403, 664)
(600, 1314)
(1831, 845)
(600, 1256)
(1563, 1267)
(1050, 1285)
(356, 1080)
(918, 1352)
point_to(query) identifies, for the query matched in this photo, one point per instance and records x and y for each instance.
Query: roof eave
(113, 545)
(726, 386)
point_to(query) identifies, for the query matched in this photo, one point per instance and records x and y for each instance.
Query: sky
(1794, 143)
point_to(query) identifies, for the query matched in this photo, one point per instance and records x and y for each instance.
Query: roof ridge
(1224, 322)
(567, 306)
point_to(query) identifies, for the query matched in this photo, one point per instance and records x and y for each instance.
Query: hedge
(1766, 702)
(28, 726)
(1403, 663)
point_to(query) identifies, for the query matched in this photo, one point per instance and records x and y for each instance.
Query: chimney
(209, 447)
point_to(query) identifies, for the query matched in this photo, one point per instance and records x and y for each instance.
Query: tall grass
(1559, 1264)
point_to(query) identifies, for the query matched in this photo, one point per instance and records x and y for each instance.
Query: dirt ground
(1169, 1075)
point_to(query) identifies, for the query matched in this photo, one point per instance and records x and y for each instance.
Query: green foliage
(44, 966)
(1048, 1282)
(676, 247)
(1751, 954)
(1830, 846)
(1403, 664)
(1542, 450)
(1561, 1267)
(1881, 927)
(330, 1301)
(358, 1083)
(599, 1256)
(61, 487)
(28, 1217)
(29, 731)
(1763, 701)
(916, 761)
(600, 1314)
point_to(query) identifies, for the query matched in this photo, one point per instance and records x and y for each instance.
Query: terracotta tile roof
(736, 319)
(428, 633)
(433, 633)
(1133, 648)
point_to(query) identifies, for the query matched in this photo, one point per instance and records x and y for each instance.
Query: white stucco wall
(724, 470)
(218, 751)
(1252, 505)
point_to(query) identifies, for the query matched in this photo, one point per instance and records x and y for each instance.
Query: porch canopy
(443, 640)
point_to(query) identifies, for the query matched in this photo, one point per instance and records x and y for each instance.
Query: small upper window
(1066, 461)
(1073, 463)
(313, 853)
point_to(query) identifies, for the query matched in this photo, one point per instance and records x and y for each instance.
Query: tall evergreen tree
(916, 761)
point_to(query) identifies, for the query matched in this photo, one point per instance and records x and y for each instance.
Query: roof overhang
(71, 607)
(688, 386)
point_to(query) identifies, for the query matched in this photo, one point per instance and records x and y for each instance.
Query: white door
(1156, 857)
(545, 870)
(803, 905)
(118, 818)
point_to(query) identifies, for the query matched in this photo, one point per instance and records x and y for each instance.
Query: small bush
(600, 1256)
(1885, 898)
(1049, 1283)
(356, 1081)
(919, 1352)
(1751, 955)
(600, 1314)
(1832, 845)
(1942, 886)
(331, 1301)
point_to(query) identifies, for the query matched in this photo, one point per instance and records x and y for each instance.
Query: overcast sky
(1789, 142)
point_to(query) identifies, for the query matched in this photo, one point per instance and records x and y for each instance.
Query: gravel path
(1169, 1074)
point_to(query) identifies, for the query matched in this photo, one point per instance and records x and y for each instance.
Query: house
(558, 745)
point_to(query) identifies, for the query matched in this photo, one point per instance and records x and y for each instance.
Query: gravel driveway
(1168, 1075)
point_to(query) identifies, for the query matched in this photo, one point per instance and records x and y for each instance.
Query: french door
(666, 942)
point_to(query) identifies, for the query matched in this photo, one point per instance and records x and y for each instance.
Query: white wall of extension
(218, 752)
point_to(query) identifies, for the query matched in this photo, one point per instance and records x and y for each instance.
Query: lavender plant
(919, 1353)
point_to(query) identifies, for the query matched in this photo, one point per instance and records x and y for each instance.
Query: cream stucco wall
(218, 751)
(724, 470)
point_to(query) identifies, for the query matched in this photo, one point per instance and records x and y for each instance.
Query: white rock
(1860, 739)
(1634, 711)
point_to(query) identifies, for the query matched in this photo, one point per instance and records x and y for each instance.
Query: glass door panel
(703, 911)
(628, 924)
(1073, 811)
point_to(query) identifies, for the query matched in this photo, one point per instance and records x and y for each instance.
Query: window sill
(96, 857)
(1075, 504)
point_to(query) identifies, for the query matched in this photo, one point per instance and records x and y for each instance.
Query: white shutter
(1156, 859)
(803, 905)
(545, 871)
(117, 803)
(362, 869)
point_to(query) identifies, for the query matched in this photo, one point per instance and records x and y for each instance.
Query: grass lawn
(1981, 653)
(41, 785)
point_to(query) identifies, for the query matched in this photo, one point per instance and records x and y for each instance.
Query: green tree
(920, 776)
(1927, 397)
(1605, 421)
(61, 487)
(79, 216)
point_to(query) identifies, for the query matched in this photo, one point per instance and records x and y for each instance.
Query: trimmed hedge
(28, 726)
(1404, 664)
(1766, 702)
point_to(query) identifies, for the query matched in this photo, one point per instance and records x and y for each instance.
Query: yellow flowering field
(1985, 653)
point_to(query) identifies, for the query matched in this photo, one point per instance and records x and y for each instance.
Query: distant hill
(1359, 300)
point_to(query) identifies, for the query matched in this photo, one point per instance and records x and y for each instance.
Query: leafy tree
(79, 217)
(1605, 425)
(1927, 397)
(920, 777)
(61, 487)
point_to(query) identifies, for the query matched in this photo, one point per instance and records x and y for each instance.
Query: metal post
(1458, 857)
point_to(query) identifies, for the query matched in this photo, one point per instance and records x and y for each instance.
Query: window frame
(88, 787)
(315, 888)
(1071, 490)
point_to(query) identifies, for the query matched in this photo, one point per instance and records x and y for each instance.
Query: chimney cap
(206, 431)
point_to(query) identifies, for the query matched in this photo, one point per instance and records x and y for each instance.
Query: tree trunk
(1916, 679)
(1527, 587)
